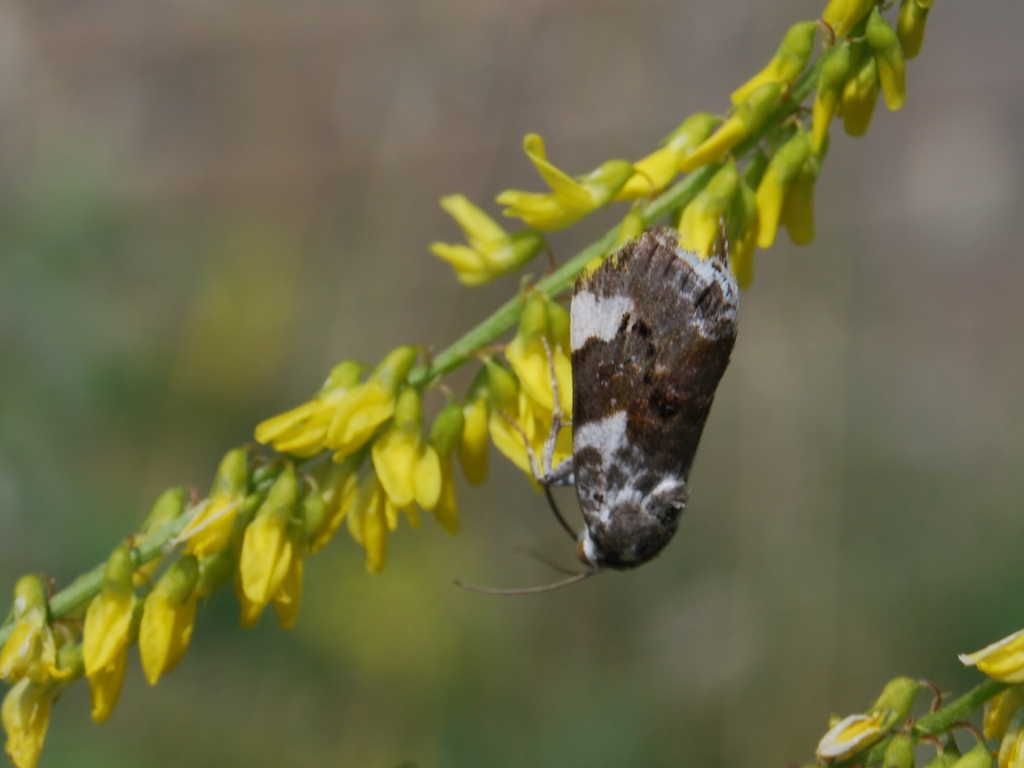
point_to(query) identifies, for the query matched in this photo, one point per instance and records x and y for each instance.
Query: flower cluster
(361, 451)
(766, 159)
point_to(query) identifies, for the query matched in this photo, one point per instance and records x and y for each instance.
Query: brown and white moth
(652, 329)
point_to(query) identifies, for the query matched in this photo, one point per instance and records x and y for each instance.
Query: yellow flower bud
(782, 170)
(109, 617)
(1003, 660)
(787, 64)
(288, 599)
(892, 68)
(850, 735)
(657, 170)
(844, 15)
(900, 752)
(168, 615)
(798, 208)
(741, 226)
(859, 97)
(366, 406)
(543, 329)
(302, 431)
(268, 547)
(698, 226)
(105, 683)
(977, 757)
(910, 24)
(748, 116)
(337, 489)
(30, 650)
(1000, 709)
(367, 522)
(214, 572)
(491, 251)
(835, 70)
(210, 530)
(474, 443)
(570, 199)
(445, 436)
(1011, 748)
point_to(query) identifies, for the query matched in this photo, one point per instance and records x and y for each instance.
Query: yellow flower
(741, 226)
(398, 454)
(850, 735)
(698, 226)
(111, 625)
(1000, 709)
(366, 406)
(656, 171)
(25, 712)
(367, 521)
(168, 615)
(105, 684)
(1011, 748)
(778, 178)
(835, 69)
(892, 67)
(543, 329)
(1002, 660)
(302, 431)
(168, 507)
(268, 544)
(209, 531)
(491, 251)
(288, 599)
(787, 64)
(570, 199)
(445, 435)
(910, 24)
(528, 425)
(26, 717)
(338, 484)
(748, 116)
(109, 616)
(859, 97)
(798, 208)
(30, 650)
(843, 15)
(474, 443)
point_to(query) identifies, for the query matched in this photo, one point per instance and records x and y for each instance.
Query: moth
(651, 333)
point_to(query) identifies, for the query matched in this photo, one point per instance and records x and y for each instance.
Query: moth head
(632, 529)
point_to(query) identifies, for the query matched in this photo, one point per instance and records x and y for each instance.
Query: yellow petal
(106, 683)
(473, 448)
(394, 459)
(105, 635)
(288, 599)
(266, 557)
(850, 735)
(1002, 660)
(427, 478)
(26, 716)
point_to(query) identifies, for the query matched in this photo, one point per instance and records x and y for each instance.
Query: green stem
(83, 589)
(939, 722)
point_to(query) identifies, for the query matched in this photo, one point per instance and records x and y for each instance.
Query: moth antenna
(527, 590)
(557, 513)
(542, 558)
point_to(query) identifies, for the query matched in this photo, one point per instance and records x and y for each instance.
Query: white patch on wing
(710, 270)
(606, 435)
(593, 317)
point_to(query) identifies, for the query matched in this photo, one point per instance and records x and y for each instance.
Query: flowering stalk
(359, 451)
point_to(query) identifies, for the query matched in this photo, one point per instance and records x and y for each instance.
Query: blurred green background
(205, 206)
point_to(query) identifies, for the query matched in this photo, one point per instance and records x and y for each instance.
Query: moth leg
(562, 474)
